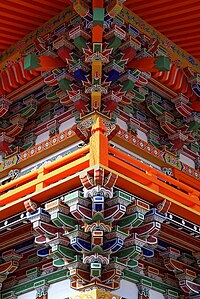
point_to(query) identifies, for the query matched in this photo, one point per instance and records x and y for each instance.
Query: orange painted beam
(97, 34)
(47, 193)
(154, 179)
(97, 3)
(186, 179)
(43, 177)
(58, 164)
(125, 182)
(154, 172)
(44, 187)
(154, 183)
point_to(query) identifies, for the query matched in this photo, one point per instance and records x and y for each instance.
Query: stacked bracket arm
(97, 233)
(9, 264)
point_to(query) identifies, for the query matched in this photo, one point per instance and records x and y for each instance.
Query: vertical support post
(97, 41)
(40, 184)
(98, 144)
(143, 290)
(42, 292)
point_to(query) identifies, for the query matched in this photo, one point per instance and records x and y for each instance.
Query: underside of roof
(178, 20)
(19, 17)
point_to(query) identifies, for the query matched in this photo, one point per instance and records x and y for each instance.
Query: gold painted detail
(95, 294)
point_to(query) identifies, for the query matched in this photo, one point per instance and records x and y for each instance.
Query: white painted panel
(122, 124)
(156, 295)
(187, 161)
(42, 137)
(141, 135)
(60, 290)
(29, 295)
(67, 124)
(127, 290)
(45, 160)
(124, 150)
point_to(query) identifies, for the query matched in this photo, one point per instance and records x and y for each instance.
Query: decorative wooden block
(98, 16)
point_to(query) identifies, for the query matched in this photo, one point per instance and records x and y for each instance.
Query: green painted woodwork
(98, 249)
(130, 252)
(124, 196)
(172, 293)
(122, 231)
(134, 219)
(114, 44)
(97, 47)
(162, 64)
(64, 84)
(132, 263)
(95, 272)
(63, 252)
(52, 96)
(28, 111)
(80, 43)
(58, 263)
(155, 108)
(155, 284)
(98, 16)
(40, 283)
(70, 196)
(27, 145)
(32, 272)
(193, 126)
(31, 62)
(62, 274)
(138, 97)
(98, 217)
(61, 220)
(127, 86)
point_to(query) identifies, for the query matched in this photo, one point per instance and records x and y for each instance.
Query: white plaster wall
(141, 135)
(127, 290)
(187, 161)
(42, 137)
(30, 295)
(67, 124)
(122, 124)
(156, 295)
(60, 290)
